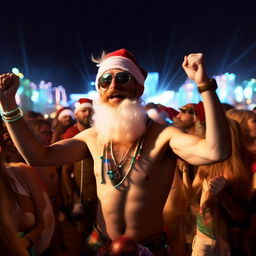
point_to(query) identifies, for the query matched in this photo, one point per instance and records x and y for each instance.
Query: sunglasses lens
(185, 110)
(105, 80)
(122, 77)
(190, 111)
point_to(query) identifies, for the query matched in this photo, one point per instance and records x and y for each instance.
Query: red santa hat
(200, 114)
(171, 112)
(64, 111)
(162, 113)
(83, 103)
(124, 60)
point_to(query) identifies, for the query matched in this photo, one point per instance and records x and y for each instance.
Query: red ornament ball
(123, 246)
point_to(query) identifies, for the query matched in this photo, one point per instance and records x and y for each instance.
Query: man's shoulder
(159, 129)
(87, 133)
(162, 134)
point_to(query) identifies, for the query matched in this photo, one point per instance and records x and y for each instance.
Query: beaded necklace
(118, 167)
(115, 175)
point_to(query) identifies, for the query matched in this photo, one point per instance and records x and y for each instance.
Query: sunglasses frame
(187, 110)
(114, 76)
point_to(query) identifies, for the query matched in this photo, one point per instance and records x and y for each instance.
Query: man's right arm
(66, 151)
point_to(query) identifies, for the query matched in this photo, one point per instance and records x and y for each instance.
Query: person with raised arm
(134, 157)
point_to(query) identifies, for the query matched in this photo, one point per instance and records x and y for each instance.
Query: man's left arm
(217, 145)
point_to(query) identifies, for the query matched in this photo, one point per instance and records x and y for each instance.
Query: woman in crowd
(10, 243)
(247, 121)
(30, 209)
(223, 190)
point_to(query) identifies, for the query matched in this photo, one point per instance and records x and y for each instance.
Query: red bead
(138, 157)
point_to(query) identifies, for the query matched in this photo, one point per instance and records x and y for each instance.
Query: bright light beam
(228, 50)
(241, 56)
(23, 48)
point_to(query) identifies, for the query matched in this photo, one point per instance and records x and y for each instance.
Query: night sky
(53, 40)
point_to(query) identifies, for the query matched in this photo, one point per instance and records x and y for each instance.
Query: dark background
(53, 40)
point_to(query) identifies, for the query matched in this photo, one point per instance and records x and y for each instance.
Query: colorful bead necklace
(115, 175)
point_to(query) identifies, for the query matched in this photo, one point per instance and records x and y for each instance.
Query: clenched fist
(194, 67)
(9, 84)
(6, 80)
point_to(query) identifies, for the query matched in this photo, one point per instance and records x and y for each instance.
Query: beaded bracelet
(9, 113)
(12, 120)
(16, 115)
(13, 117)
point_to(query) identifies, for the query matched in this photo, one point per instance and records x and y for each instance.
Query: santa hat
(200, 114)
(124, 60)
(253, 168)
(171, 112)
(83, 103)
(161, 114)
(65, 111)
(197, 110)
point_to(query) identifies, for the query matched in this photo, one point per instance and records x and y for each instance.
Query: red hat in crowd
(124, 60)
(196, 109)
(64, 111)
(83, 103)
(162, 113)
(200, 114)
(171, 112)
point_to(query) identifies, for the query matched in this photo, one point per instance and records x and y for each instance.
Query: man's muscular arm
(65, 151)
(216, 145)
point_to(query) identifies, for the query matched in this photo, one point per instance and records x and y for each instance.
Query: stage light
(35, 96)
(239, 93)
(248, 92)
(20, 75)
(165, 98)
(15, 71)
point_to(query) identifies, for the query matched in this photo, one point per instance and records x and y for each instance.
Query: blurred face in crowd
(7, 146)
(252, 126)
(66, 121)
(252, 131)
(84, 116)
(186, 118)
(115, 85)
(45, 134)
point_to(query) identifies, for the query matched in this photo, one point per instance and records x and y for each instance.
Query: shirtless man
(134, 160)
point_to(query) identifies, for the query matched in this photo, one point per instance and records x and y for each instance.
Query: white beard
(125, 123)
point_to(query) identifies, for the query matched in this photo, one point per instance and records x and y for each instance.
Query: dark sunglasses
(185, 110)
(122, 78)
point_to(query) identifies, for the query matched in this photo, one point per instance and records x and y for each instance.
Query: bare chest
(136, 167)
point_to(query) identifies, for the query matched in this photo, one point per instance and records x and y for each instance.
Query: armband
(212, 85)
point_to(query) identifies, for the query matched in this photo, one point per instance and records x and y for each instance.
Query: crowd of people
(133, 178)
